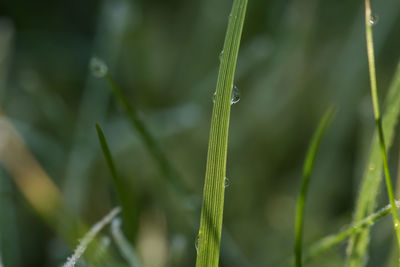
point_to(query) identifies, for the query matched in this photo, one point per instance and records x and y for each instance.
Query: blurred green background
(296, 59)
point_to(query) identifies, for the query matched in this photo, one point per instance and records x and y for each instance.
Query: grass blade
(152, 145)
(378, 120)
(209, 238)
(126, 249)
(169, 171)
(71, 261)
(123, 194)
(307, 169)
(109, 159)
(385, 132)
(334, 239)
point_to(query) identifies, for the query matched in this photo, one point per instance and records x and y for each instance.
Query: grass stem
(150, 142)
(307, 169)
(358, 243)
(334, 239)
(209, 237)
(83, 244)
(378, 120)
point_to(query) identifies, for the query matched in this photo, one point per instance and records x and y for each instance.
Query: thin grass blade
(357, 248)
(126, 249)
(307, 169)
(209, 237)
(332, 240)
(151, 143)
(123, 194)
(89, 237)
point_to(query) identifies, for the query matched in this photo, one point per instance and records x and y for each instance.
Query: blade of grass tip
(209, 237)
(80, 249)
(307, 169)
(37, 187)
(124, 196)
(126, 249)
(108, 156)
(378, 121)
(152, 145)
(332, 240)
(358, 244)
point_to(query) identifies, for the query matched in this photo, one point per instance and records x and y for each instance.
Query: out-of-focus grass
(305, 181)
(295, 58)
(373, 172)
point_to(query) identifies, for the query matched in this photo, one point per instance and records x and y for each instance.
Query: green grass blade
(366, 202)
(209, 238)
(108, 156)
(126, 249)
(167, 168)
(150, 142)
(332, 240)
(90, 236)
(307, 169)
(124, 196)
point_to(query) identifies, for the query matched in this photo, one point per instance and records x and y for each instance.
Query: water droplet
(235, 95)
(234, 98)
(196, 243)
(98, 67)
(227, 182)
(221, 55)
(373, 19)
(396, 225)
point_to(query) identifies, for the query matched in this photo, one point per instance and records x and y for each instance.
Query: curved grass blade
(366, 202)
(332, 240)
(89, 236)
(209, 237)
(307, 169)
(123, 194)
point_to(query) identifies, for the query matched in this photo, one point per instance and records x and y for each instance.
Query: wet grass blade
(169, 171)
(307, 169)
(381, 142)
(209, 237)
(89, 237)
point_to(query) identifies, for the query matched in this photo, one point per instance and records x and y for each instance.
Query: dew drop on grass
(373, 19)
(221, 55)
(196, 243)
(235, 95)
(234, 98)
(227, 182)
(98, 67)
